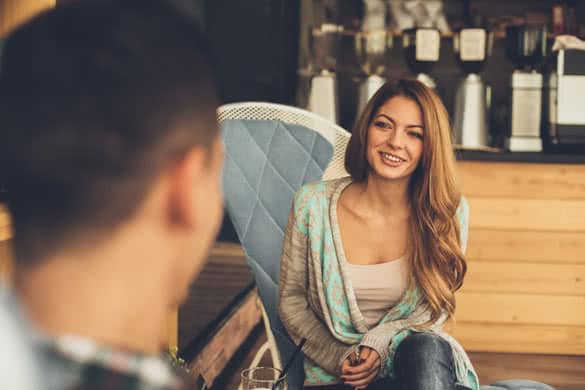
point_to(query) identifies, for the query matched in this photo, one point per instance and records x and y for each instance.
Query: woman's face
(395, 139)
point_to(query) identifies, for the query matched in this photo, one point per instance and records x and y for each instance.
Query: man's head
(107, 115)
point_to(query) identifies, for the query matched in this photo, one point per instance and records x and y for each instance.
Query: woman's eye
(382, 125)
(416, 135)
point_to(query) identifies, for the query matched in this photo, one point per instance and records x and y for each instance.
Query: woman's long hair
(436, 258)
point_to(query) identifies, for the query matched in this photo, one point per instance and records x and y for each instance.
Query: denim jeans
(422, 362)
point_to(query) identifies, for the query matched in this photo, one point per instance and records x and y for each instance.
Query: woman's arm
(380, 337)
(297, 316)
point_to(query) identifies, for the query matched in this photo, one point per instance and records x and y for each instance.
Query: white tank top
(378, 287)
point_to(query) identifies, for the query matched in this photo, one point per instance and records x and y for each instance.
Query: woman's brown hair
(436, 258)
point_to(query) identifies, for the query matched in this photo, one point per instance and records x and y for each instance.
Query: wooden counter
(525, 289)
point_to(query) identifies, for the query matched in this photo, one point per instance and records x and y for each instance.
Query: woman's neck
(383, 197)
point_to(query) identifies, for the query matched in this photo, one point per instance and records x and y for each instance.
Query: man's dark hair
(96, 98)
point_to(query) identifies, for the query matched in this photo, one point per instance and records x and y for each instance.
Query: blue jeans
(422, 362)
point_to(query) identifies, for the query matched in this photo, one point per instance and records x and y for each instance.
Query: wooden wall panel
(525, 288)
(527, 214)
(558, 340)
(525, 181)
(525, 278)
(15, 12)
(521, 309)
(529, 246)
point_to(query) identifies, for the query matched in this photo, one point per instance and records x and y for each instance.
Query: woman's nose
(396, 139)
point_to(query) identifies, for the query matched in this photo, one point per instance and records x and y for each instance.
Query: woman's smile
(391, 160)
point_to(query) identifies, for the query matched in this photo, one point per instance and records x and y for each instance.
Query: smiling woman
(381, 253)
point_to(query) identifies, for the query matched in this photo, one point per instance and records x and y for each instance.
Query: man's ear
(183, 188)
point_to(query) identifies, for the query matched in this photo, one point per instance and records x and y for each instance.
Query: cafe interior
(511, 74)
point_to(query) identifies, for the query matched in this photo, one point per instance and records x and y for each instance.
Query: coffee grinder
(421, 48)
(472, 47)
(323, 45)
(526, 48)
(565, 111)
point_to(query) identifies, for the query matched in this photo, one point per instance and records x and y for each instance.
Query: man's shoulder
(76, 363)
(20, 368)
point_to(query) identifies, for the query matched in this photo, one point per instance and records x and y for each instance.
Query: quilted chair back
(271, 151)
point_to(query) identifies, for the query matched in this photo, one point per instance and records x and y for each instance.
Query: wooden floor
(561, 372)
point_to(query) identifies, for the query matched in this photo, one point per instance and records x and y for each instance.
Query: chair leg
(260, 354)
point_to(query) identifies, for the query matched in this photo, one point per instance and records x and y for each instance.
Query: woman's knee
(424, 346)
(424, 361)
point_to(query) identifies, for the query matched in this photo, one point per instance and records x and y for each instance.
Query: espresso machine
(526, 48)
(421, 48)
(323, 46)
(565, 104)
(472, 47)
(370, 49)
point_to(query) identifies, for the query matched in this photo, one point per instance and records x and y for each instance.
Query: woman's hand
(361, 373)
